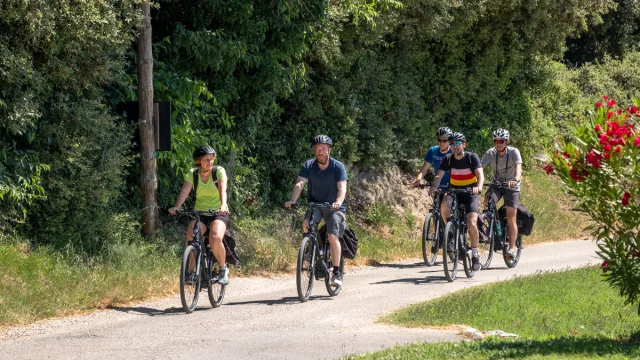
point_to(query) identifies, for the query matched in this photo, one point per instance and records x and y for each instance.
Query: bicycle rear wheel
(485, 244)
(449, 253)
(189, 279)
(430, 240)
(215, 290)
(511, 263)
(304, 271)
(332, 289)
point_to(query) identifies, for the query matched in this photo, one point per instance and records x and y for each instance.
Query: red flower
(625, 198)
(594, 159)
(548, 168)
(607, 156)
(604, 139)
(578, 175)
(611, 102)
(632, 109)
(618, 149)
(598, 128)
(636, 142)
(605, 97)
(566, 155)
(605, 266)
(598, 104)
(609, 115)
(607, 148)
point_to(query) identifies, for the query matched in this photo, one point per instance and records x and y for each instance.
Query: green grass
(38, 284)
(570, 314)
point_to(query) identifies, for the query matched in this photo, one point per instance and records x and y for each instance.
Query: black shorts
(208, 219)
(470, 202)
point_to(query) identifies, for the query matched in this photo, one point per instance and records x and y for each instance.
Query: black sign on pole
(161, 121)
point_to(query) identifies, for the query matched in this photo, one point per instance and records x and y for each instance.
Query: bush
(601, 170)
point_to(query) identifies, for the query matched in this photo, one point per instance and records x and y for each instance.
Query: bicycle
(432, 229)
(498, 237)
(314, 259)
(455, 241)
(199, 267)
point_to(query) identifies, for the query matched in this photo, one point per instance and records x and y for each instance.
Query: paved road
(262, 318)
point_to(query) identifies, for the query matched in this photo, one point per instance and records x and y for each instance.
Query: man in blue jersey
(434, 157)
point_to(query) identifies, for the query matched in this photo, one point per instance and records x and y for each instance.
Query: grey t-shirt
(503, 171)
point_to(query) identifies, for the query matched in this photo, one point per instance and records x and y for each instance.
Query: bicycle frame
(459, 218)
(203, 249)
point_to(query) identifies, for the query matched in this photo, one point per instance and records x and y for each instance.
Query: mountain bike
(314, 259)
(455, 239)
(497, 227)
(432, 229)
(199, 269)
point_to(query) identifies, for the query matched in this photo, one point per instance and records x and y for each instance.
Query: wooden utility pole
(148, 181)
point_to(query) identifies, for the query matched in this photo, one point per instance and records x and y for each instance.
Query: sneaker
(509, 254)
(223, 276)
(475, 260)
(336, 279)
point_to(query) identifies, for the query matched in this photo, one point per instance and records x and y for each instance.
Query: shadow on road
(141, 310)
(283, 301)
(418, 281)
(399, 266)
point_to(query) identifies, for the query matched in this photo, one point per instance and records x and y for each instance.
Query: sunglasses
(443, 141)
(457, 143)
(499, 141)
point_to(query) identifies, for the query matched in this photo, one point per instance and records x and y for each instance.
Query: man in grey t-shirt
(506, 163)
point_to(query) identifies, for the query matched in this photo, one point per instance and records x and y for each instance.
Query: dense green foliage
(257, 79)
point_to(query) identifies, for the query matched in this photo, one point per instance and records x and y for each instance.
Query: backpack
(349, 241)
(524, 219)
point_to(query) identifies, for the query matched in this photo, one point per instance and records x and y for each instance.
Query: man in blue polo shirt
(327, 184)
(434, 157)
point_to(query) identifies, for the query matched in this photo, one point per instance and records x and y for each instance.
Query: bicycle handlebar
(190, 213)
(312, 205)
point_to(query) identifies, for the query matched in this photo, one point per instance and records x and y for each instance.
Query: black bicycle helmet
(202, 151)
(456, 136)
(322, 139)
(444, 131)
(501, 134)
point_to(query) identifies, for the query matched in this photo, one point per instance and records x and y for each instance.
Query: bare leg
(216, 234)
(335, 248)
(512, 226)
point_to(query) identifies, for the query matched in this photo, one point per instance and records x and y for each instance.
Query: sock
(336, 269)
(474, 251)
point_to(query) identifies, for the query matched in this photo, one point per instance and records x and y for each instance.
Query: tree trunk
(148, 181)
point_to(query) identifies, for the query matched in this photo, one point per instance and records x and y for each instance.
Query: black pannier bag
(348, 241)
(230, 248)
(524, 219)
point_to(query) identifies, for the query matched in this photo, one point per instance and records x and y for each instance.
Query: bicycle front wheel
(332, 289)
(485, 243)
(449, 252)
(430, 239)
(189, 279)
(215, 290)
(304, 273)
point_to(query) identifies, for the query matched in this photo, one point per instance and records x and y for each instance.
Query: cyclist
(465, 172)
(506, 163)
(327, 183)
(434, 157)
(211, 193)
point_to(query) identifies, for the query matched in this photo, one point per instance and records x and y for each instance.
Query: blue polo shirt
(323, 184)
(435, 157)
